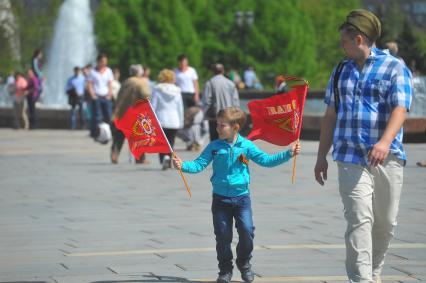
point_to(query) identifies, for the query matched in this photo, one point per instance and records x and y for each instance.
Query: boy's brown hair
(233, 115)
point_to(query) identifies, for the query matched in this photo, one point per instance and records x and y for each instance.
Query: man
(219, 93)
(187, 80)
(250, 79)
(371, 95)
(100, 89)
(75, 91)
(33, 91)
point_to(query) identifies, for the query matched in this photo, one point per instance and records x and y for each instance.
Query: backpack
(337, 73)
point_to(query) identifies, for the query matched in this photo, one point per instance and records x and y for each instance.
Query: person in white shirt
(187, 81)
(100, 90)
(75, 91)
(168, 106)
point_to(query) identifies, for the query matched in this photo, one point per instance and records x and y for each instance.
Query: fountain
(73, 44)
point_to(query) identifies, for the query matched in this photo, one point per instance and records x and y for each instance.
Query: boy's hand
(295, 149)
(177, 162)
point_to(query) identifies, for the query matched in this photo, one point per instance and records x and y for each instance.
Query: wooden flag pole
(172, 152)
(184, 180)
(293, 175)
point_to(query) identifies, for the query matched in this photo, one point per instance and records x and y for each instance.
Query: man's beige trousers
(370, 197)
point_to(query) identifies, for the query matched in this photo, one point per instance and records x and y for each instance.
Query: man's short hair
(352, 31)
(182, 57)
(101, 56)
(76, 69)
(233, 115)
(218, 68)
(393, 47)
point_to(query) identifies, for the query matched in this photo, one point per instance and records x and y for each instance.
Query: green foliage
(412, 47)
(392, 21)
(288, 36)
(112, 34)
(280, 41)
(326, 17)
(283, 40)
(152, 33)
(6, 62)
(35, 22)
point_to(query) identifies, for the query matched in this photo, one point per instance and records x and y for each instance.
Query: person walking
(75, 90)
(20, 115)
(168, 106)
(367, 98)
(187, 81)
(33, 92)
(100, 89)
(219, 93)
(133, 89)
(230, 155)
(36, 66)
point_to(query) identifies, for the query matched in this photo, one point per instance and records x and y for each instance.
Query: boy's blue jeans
(225, 210)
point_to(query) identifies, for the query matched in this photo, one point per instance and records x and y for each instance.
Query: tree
(111, 33)
(326, 17)
(283, 40)
(412, 46)
(34, 21)
(153, 33)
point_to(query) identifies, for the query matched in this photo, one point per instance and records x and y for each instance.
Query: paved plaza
(68, 215)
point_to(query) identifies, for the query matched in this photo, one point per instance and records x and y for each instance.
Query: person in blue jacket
(231, 195)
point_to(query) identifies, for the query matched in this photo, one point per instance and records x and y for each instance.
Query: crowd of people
(25, 89)
(97, 97)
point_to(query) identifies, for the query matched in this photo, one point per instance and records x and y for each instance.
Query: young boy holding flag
(231, 196)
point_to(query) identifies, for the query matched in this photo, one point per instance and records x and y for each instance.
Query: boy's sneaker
(224, 277)
(247, 275)
(166, 163)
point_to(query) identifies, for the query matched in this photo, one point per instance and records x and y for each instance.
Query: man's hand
(295, 149)
(380, 150)
(197, 100)
(378, 153)
(320, 170)
(177, 162)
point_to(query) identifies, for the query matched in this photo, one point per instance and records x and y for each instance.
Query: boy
(231, 196)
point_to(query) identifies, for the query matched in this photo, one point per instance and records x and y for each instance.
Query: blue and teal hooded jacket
(231, 174)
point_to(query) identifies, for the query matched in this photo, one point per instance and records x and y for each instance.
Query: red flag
(142, 130)
(278, 119)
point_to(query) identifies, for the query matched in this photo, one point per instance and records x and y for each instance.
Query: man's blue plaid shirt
(367, 99)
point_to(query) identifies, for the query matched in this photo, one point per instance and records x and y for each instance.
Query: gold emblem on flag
(285, 123)
(143, 126)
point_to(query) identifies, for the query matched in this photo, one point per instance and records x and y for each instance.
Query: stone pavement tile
(411, 254)
(409, 269)
(22, 279)
(107, 278)
(34, 269)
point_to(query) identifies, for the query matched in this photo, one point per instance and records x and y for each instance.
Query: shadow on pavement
(149, 279)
